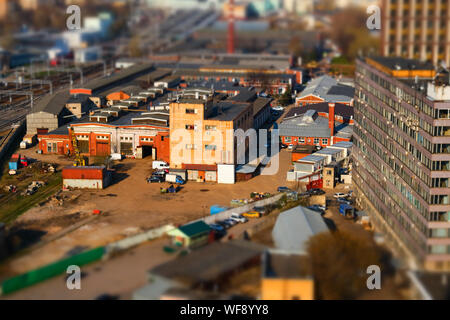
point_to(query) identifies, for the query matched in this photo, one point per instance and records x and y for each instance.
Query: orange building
(286, 277)
(201, 131)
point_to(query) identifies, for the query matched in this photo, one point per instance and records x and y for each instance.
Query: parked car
(339, 195)
(161, 172)
(216, 227)
(283, 189)
(262, 210)
(317, 208)
(251, 214)
(343, 200)
(224, 224)
(283, 146)
(278, 108)
(316, 192)
(160, 165)
(238, 218)
(290, 147)
(230, 221)
(155, 179)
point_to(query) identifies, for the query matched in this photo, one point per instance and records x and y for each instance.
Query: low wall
(137, 239)
(40, 274)
(245, 208)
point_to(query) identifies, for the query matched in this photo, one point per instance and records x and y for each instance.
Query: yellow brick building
(202, 131)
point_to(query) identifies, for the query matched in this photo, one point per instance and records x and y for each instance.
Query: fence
(245, 208)
(136, 239)
(37, 275)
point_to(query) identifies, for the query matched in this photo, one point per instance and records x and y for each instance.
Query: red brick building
(317, 124)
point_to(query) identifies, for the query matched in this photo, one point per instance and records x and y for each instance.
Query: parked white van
(160, 165)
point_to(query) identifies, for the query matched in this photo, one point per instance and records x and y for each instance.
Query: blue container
(214, 209)
(14, 165)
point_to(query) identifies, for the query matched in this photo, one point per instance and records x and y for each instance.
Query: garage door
(102, 149)
(192, 174)
(126, 148)
(210, 176)
(83, 146)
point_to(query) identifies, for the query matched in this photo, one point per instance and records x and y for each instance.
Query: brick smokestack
(331, 118)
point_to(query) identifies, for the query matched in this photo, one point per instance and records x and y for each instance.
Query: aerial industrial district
(226, 176)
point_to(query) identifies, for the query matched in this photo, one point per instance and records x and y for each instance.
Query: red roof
(201, 167)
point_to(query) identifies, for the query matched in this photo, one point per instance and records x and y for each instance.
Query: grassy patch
(14, 204)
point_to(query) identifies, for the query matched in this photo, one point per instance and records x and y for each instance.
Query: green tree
(348, 30)
(286, 98)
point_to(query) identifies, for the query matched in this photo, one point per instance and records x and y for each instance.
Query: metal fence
(40, 274)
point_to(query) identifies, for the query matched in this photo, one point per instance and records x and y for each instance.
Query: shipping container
(84, 177)
(214, 209)
(83, 172)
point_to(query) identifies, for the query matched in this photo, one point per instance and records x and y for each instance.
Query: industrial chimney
(331, 118)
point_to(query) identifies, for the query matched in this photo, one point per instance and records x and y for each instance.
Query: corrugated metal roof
(340, 109)
(328, 89)
(343, 144)
(295, 226)
(53, 104)
(106, 82)
(260, 103)
(305, 127)
(311, 158)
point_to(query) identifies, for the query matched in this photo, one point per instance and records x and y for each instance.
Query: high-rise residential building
(416, 29)
(402, 156)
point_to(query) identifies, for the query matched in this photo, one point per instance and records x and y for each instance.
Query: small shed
(245, 172)
(86, 177)
(191, 235)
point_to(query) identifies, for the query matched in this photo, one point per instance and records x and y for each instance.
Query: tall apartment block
(416, 29)
(402, 156)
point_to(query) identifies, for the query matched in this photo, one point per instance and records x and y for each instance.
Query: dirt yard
(128, 206)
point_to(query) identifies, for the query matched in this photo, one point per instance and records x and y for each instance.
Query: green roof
(194, 228)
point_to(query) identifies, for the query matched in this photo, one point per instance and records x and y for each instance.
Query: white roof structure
(328, 89)
(295, 226)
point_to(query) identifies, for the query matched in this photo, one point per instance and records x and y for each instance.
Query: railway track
(12, 113)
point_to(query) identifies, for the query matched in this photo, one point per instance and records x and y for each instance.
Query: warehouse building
(314, 126)
(55, 110)
(134, 134)
(325, 89)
